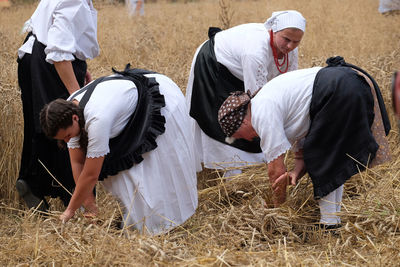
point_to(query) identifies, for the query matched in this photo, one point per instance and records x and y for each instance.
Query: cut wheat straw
(233, 225)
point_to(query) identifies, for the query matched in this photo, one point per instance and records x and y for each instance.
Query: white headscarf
(286, 19)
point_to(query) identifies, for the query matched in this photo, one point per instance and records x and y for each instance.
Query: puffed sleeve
(98, 127)
(268, 122)
(61, 40)
(254, 72)
(74, 142)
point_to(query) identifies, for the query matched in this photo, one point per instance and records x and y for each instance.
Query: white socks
(329, 207)
(233, 172)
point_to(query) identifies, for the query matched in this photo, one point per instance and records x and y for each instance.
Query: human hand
(298, 172)
(279, 189)
(88, 77)
(293, 177)
(67, 214)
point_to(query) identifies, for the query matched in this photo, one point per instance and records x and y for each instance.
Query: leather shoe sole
(30, 199)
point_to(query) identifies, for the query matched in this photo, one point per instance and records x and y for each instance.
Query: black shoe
(329, 228)
(30, 199)
(323, 226)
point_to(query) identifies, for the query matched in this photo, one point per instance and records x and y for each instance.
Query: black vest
(144, 126)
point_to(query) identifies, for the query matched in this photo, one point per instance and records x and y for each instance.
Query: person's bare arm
(84, 186)
(67, 75)
(77, 157)
(299, 168)
(279, 179)
(88, 77)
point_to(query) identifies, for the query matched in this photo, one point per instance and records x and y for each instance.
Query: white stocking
(329, 206)
(339, 196)
(233, 172)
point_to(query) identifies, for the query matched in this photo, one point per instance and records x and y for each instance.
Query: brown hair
(57, 115)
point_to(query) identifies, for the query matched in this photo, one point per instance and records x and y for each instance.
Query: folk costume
(388, 5)
(237, 59)
(59, 30)
(135, 7)
(335, 114)
(141, 126)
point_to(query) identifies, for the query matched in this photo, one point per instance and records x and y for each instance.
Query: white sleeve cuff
(277, 151)
(74, 142)
(96, 154)
(58, 56)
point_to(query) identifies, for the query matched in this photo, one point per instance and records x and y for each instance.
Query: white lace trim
(74, 142)
(276, 152)
(73, 146)
(97, 154)
(261, 76)
(58, 56)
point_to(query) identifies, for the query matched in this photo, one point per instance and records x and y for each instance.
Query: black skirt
(40, 84)
(212, 84)
(339, 142)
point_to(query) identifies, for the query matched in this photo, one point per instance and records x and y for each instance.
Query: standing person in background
(386, 6)
(242, 58)
(62, 34)
(135, 7)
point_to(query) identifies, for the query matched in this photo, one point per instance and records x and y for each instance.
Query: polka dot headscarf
(232, 112)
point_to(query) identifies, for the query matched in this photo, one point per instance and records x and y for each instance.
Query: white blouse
(106, 114)
(246, 52)
(67, 28)
(280, 111)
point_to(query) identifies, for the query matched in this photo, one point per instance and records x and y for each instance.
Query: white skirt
(214, 154)
(161, 192)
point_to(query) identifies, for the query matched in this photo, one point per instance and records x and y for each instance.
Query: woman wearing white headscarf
(242, 58)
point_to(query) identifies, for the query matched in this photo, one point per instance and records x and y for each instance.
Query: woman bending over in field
(130, 131)
(335, 116)
(242, 58)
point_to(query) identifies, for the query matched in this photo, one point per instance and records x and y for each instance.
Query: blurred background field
(231, 225)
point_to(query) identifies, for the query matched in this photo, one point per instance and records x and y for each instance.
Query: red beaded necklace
(285, 56)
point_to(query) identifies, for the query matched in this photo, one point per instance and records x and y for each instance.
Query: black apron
(144, 126)
(340, 140)
(212, 84)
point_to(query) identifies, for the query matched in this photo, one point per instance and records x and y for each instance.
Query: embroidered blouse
(246, 52)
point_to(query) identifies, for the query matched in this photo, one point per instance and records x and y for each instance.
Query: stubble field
(231, 225)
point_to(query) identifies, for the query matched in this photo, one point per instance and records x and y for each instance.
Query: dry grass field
(231, 225)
